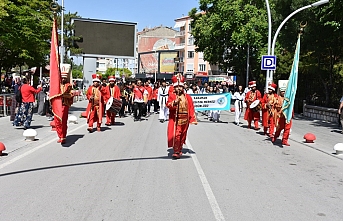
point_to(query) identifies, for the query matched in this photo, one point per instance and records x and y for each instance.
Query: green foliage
(77, 71)
(25, 30)
(224, 31)
(68, 37)
(122, 72)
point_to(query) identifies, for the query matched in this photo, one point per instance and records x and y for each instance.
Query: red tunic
(266, 113)
(154, 94)
(149, 90)
(172, 118)
(112, 93)
(101, 95)
(249, 98)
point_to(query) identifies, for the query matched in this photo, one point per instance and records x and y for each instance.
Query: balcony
(180, 33)
(180, 46)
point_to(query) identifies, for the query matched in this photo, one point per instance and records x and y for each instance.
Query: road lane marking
(209, 193)
(34, 150)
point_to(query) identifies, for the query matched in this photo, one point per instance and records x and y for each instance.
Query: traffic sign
(268, 62)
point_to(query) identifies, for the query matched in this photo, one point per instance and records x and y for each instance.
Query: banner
(167, 64)
(291, 90)
(204, 102)
(55, 75)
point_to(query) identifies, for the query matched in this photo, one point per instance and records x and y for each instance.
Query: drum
(113, 105)
(256, 106)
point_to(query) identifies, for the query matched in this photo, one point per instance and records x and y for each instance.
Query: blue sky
(147, 13)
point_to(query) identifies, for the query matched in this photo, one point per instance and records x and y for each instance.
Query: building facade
(190, 62)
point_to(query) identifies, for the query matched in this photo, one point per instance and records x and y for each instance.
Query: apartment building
(190, 62)
(102, 64)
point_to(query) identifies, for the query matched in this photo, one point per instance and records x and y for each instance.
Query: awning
(179, 24)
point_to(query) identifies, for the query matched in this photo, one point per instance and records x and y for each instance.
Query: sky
(147, 13)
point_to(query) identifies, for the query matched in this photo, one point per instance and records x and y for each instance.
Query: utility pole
(62, 33)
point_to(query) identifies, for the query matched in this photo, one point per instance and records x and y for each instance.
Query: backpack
(18, 96)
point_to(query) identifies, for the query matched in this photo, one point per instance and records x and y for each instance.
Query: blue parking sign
(268, 62)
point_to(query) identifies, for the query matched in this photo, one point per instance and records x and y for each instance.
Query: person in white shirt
(239, 103)
(162, 98)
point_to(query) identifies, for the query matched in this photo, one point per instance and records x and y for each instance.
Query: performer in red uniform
(281, 121)
(181, 114)
(250, 97)
(112, 90)
(67, 101)
(268, 110)
(95, 95)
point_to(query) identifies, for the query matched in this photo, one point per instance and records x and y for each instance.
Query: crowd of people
(112, 98)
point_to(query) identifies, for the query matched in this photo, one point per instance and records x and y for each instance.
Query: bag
(18, 96)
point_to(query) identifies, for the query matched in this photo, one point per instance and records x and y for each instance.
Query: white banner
(211, 101)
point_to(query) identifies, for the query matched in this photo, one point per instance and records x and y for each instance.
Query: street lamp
(321, 2)
(318, 3)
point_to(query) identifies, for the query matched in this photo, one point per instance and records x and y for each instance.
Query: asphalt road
(126, 172)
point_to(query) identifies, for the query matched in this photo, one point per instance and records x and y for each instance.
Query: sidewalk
(327, 134)
(13, 138)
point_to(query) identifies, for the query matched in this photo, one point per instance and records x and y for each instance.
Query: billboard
(105, 38)
(167, 64)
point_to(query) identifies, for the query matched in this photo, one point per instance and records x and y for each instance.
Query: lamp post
(269, 77)
(156, 55)
(62, 32)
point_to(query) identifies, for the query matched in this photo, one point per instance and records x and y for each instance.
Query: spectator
(24, 115)
(340, 112)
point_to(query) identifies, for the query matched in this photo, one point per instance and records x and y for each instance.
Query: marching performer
(239, 103)
(162, 98)
(95, 95)
(67, 101)
(181, 115)
(112, 90)
(250, 114)
(281, 121)
(269, 101)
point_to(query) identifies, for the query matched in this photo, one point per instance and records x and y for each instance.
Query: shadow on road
(72, 139)
(91, 163)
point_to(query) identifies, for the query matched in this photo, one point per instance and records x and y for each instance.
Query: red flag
(55, 75)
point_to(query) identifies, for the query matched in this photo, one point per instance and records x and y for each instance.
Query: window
(201, 55)
(189, 27)
(191, 40)
(190, 67)
(190, 54)
(202, 67)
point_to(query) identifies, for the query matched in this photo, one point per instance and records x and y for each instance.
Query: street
(126, 172)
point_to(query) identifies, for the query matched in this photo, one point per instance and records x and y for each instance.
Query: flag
(55, 75)
(291, 90)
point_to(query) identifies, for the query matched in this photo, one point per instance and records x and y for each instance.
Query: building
(102, 64)
(189, 62)
(155, 49)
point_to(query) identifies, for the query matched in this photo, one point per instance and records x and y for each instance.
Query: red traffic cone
(2, 147)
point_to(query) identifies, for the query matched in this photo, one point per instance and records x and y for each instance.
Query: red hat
(111, 78)
(95, 77)
(178, 80)
(272, 86)
(252, 84)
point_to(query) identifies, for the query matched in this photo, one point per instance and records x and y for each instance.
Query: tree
(77, 71)
(68, 37)
(122, 72)
(321, 49)
(25, 32)
(223, 31)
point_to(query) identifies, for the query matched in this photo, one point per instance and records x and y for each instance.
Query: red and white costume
(112, 90)
(96, 104)
(268, 113)
(181, 114)
(67, 101)
(250, 97)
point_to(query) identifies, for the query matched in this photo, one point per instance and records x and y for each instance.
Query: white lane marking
(33, 150)
(210, 196)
